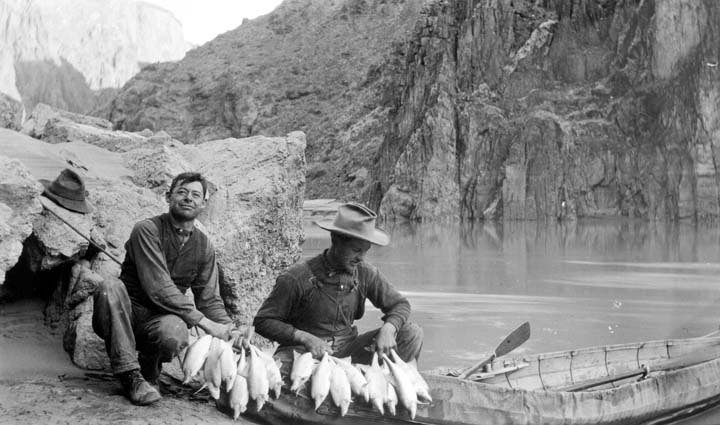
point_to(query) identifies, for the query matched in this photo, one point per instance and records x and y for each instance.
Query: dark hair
(189, 177)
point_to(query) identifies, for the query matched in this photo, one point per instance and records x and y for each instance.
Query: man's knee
(410, 341)
(172, 335)
(411, 333)
(110, 290)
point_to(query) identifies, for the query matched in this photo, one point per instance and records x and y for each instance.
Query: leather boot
(137, 389)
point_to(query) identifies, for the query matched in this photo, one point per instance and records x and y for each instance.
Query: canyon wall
(65, 53)
(555, 110)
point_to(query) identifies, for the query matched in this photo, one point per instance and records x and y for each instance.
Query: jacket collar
(323, 270)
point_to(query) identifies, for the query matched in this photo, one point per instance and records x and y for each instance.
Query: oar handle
(477, 366)
(515, 339)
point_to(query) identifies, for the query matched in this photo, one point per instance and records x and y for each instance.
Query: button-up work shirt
(158, 270)
(311, 297)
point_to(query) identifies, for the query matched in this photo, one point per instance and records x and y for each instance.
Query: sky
(203, 20)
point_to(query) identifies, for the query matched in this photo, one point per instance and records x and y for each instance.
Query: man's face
(186, 201)
(350, 252)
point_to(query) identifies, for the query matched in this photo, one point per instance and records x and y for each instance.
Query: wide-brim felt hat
(357, 221)
(68, 191)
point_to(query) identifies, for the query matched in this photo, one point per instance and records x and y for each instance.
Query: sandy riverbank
(40, 385)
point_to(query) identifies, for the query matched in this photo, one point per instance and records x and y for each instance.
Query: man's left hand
(385, 339)
(240, 337)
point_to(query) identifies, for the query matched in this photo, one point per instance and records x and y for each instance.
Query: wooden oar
(686, 360)
(712, 334)
(511, 342)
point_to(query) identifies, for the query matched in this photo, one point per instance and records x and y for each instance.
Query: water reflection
(579, 284)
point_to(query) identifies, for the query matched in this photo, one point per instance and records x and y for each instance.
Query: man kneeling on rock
(148, 311)
(315, 302)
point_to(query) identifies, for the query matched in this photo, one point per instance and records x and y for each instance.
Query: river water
(580, 284)
(577, 284)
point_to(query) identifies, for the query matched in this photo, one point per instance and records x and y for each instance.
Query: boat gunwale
(528, 406)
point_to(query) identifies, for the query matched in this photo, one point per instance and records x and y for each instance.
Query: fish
(320, 381)
(422, 389)
(228, 365)
(239, 394)
(272, 367)
(358, 383)
(257, 379)
(238, 397)
(212, 368)
(195, 357)
(403, 386)
(376, 384)
(302, 368)
(391, 400)
(340, 388)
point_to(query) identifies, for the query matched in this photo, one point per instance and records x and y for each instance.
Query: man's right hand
(218, 330)
(313, 344)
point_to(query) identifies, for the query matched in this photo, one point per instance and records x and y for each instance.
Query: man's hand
(313, 344)
(385, 339)
(218, 330)
(241, 337)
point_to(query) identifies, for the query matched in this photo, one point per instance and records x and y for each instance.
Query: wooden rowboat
(647, 382)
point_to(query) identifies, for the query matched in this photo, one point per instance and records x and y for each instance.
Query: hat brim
(378, 237)
(69, 204)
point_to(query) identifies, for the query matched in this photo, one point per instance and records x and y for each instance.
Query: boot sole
(147, 401)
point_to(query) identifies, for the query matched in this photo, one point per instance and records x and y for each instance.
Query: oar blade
(511, 342)
(514, 340)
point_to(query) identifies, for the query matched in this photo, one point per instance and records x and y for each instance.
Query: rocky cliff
(556, 110)
(471, 109)
(64, 52)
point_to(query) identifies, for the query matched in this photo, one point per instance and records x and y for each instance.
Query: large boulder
(53, 125)
(253, 218)
(155, 166)
(255, 215)
(34, 125)
(19, 205)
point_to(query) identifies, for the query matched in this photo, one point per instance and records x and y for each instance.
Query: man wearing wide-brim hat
(315, 302)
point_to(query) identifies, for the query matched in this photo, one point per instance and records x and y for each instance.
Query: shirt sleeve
(206, 289)
(145, 249)
(394, 306)
(271, 321)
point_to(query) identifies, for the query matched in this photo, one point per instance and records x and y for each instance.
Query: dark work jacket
(310, 297)
(157, 272)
